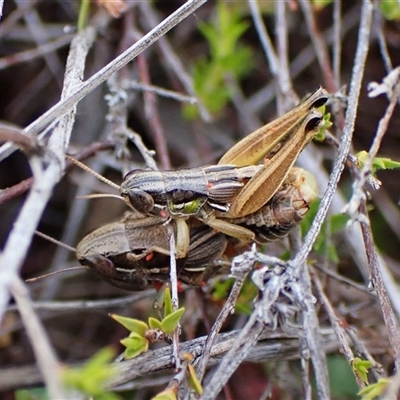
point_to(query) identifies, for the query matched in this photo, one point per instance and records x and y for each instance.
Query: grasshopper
(134, 252)
(217, 195)
(189, 192)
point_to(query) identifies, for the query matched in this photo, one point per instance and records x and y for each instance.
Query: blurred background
(215, 53)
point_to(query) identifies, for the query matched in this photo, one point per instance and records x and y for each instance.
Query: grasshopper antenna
(90, 171)
(99, 177)
(57, 242)
(37, 278)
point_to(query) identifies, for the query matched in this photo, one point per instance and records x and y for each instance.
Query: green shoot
(228, 59)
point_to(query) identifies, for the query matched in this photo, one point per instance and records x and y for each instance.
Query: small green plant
(228, 58)
(390, 9)
(376, 390)
(379, 163)
(142, 334)
(91, 379)
(320, 137)
(361, 367)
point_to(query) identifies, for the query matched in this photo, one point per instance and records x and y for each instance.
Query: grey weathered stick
(321, 49)
(339, 330)
(337, 42)
(81, 305)
(44, 354)
(355, 87)
(247, 338)
(27, 55)
(174, 292)
(19, 239)
(389, 317)
(358, 69)
(274, 346)
(311, 343)
(247, 263)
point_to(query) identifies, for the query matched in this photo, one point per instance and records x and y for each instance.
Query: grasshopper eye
(140, 200)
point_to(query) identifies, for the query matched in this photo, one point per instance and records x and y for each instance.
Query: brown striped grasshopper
(133, 253)
(236, 187)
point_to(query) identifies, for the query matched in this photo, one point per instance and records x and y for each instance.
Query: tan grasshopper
(134, 252)
(238, 188)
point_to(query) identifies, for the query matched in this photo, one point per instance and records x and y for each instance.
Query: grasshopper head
(140, 188)
(139, 200)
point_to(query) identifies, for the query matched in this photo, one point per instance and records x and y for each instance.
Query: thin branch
(174, 292)
(264, 38)
(392, 87)
(381, 38)
(40, 51)
(337, 41)
(83, 305)
(336, 323)
(20, 238)
(169, 94)
(379, 285)
(229, 305)
(173, 60)
(311, 344)
(355, 87)
(45, 357)
(153, 116)
(321, 50)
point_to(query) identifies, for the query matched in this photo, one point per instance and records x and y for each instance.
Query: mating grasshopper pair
(236, 187)
(134, 252)
(234, 199)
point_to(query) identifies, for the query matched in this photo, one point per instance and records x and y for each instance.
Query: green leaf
(320, 136)
(171, 321)
(154, 323)
(133, 325)
(168, 394)
(194, 381)
(320, 4)
(92, 378)
(361, 367)
(135, 345)
(390, 9)
(378, 163)
(31, 394)
(375, 390)
(167, 301)
(222, 289)
(338, 222)
(228, 58)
